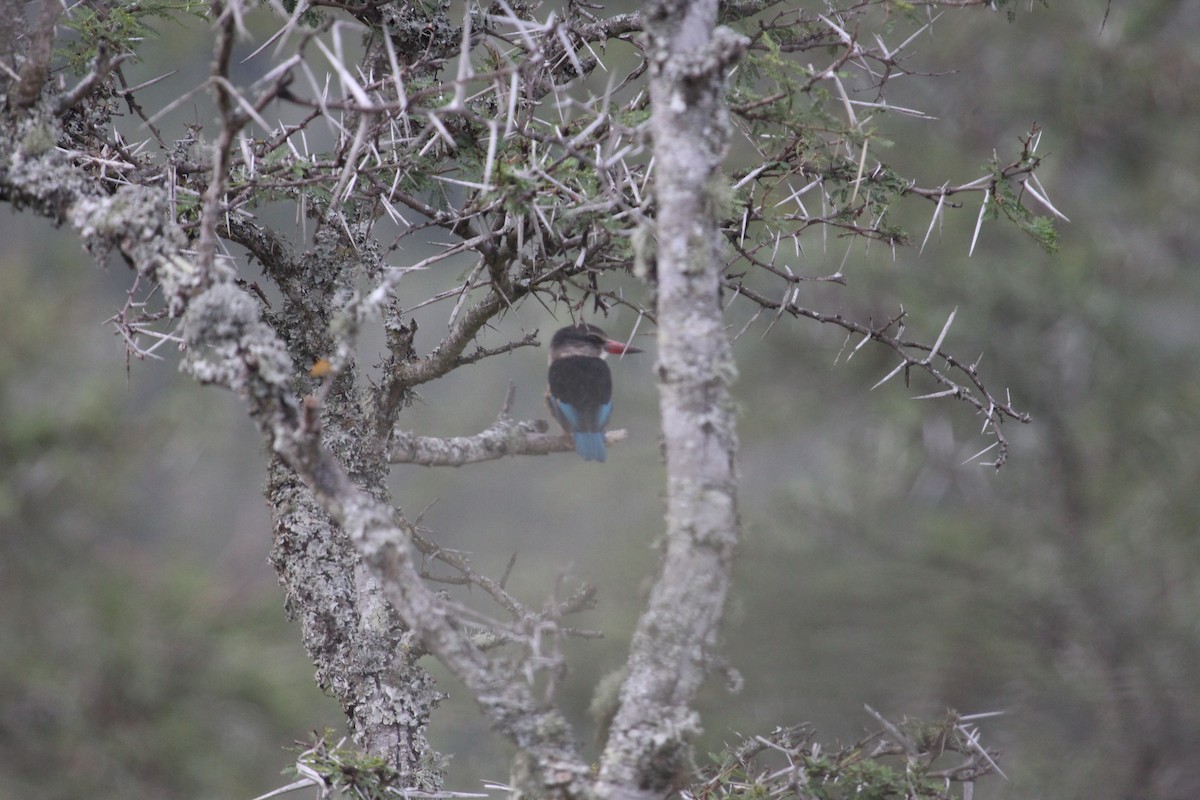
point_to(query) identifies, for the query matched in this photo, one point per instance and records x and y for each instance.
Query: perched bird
(580, 393)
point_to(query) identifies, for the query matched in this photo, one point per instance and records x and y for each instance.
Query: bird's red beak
(620, 348)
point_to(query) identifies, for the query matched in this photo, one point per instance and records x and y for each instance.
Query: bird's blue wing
(566, 413)
(588, 443)
(583, 422)
(603, 413)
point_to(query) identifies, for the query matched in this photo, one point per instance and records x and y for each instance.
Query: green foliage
(803, 122)
(348, 769)
(1006, 201)
(118, 28)
(310, 17)
(780, 100)
(789, 763)
(1010, 12)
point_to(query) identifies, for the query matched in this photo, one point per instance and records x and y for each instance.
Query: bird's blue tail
(590, 445)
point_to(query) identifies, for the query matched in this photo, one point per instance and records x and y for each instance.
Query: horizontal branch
(993, 410)
(503, 438)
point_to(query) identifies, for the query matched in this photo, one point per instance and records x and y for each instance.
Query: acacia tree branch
(231, 123)
(231, 347)
(38, 56)
(648, 749)
(993, 409)
(505, 437)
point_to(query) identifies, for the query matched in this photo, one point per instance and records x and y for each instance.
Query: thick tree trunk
(648, 749)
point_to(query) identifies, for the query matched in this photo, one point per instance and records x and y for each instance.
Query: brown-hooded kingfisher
(580, 393)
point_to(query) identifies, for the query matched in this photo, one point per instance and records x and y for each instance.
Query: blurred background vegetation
(143, 648)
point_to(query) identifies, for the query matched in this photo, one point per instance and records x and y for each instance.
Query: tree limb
(648, 750)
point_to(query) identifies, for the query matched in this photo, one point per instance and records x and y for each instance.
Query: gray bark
(648, 751)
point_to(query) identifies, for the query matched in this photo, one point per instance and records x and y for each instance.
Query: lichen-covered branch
(232, 347)
(504, 438)
(648, 750)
